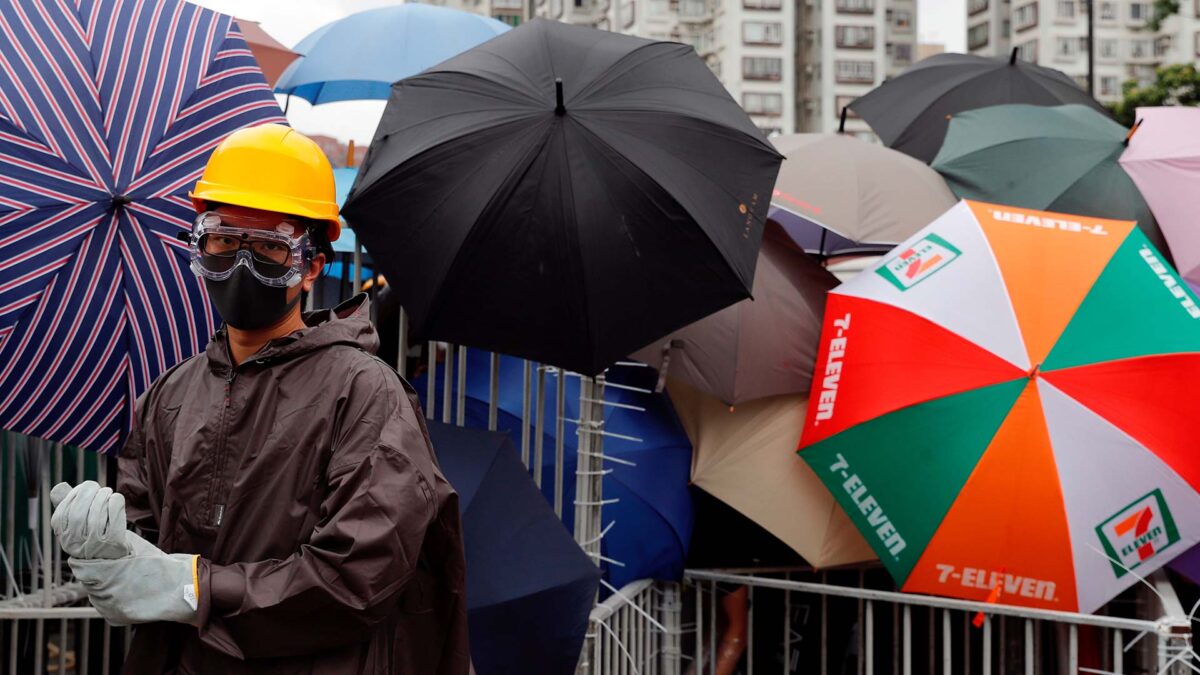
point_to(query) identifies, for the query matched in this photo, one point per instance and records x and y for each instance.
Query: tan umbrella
(747, 458)
(271, 55)
(836, 194)
(759, 347)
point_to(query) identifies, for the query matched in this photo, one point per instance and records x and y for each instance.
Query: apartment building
(1054, 33)
(792, 64)
(850, 47)
(511, 12)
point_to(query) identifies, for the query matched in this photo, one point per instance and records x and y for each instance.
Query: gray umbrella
(756, 348)
(839, 195)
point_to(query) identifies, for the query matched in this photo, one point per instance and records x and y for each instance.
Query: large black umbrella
(564, 194)
(529, 585)
(911, 112)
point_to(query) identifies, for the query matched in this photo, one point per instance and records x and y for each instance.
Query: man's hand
(148, 585)
(89, 521)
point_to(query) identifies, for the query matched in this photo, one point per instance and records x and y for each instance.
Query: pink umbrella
(1163, 158)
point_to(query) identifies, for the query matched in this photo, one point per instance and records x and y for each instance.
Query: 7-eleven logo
(918, 262)
(1138, 532)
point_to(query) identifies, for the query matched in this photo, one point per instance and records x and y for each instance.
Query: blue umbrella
(344, 179)
(652, 519)
(529, 586)
(360, 56)
(108, 113)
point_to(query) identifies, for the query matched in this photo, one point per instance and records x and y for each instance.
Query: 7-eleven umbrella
(108, 112)
(1008, 401)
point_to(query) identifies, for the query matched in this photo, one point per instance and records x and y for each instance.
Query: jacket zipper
(217, 511)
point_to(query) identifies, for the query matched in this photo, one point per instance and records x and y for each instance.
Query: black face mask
(247, 304)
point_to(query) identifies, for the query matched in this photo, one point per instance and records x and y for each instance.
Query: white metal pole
(493, 391)
(560, 397)
(448, 384)
(1028, 646)
(431, 380)
(461, 417)
(947, 643)
(540, 426)
(525, 408)
(869, 638)
(908, 652)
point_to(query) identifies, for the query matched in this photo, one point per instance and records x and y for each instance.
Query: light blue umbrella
(360, 56)
(344, 178)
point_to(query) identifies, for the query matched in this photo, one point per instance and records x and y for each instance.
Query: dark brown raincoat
(304, 477)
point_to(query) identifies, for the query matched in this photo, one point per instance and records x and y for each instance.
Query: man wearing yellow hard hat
(290, 515)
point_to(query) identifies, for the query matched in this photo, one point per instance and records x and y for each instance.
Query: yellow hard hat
(274, 168)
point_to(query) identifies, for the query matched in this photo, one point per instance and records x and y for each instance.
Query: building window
(770, 131)
(902, 53)
(513, 20)
(1139, 11)
(1139, 49)
(854, 37)
(627, 13)
(976, 6)
(1108, 85)
(1108, 11)
(762, 68)
(1005, 28)
(1162, 45)
(1069, 47)
(1028, 51)
(1066, 9)
(855, 6)
(762, 104)
(902, 20)
(977, 36)
(1108, 48)
(762, 32)
(762, 4)
(1025, 16)
(855, 72)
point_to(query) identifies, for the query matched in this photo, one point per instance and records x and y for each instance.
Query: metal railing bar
(43, 613)
(615, 404)
(930, 601)
(609, 458)
(626, 387)
(620, 599)
(448, 384)
(607, 434)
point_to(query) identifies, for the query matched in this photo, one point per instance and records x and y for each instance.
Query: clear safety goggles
(276, 257)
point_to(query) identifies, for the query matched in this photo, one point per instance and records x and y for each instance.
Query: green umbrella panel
(1060, 158)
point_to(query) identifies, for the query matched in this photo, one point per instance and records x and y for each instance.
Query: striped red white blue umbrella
(108, 112)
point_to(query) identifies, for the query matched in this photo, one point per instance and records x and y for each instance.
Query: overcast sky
(942, 21)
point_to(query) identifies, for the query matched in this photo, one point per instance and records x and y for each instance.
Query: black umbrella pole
(559, 108)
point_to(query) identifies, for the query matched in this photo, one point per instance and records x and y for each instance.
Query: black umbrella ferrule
(559, 108)
(1012, 59)
(842, 124)
(119, 201)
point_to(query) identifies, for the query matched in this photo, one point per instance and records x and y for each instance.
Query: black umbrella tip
(1012, 59)
(842, 124)
(120, 200)
(559, 108)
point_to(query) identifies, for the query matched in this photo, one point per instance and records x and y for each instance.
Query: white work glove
(89, 520)
(146, 586)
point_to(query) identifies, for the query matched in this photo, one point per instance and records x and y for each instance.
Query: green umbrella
(1060, 158)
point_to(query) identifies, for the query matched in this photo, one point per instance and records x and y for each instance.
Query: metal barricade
(796, 623)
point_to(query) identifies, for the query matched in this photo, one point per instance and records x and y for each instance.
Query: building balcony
(695, 11)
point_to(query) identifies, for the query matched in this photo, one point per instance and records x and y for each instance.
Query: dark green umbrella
(1061, 158)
